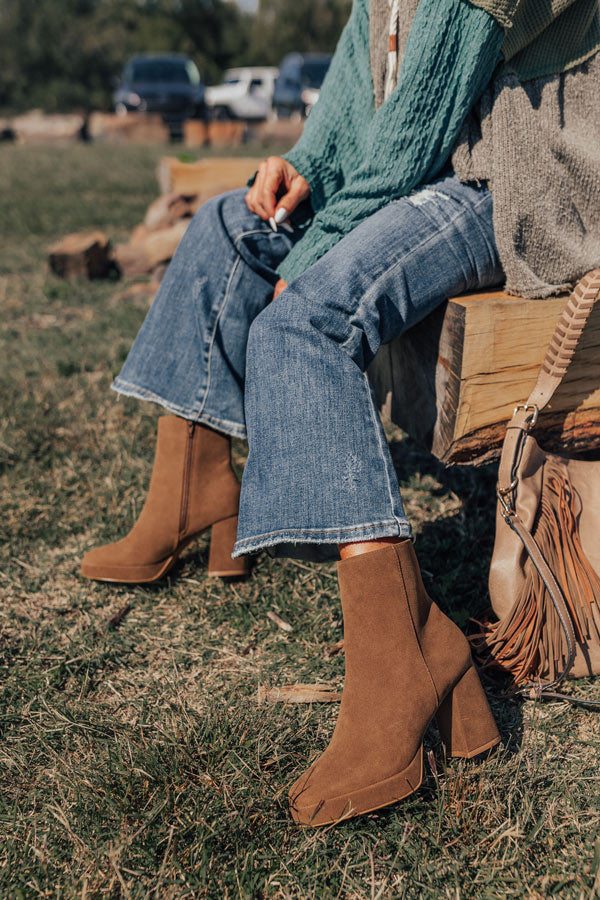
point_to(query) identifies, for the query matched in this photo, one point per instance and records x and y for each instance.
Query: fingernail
(287, 227)
(281, 215)
(273, 223)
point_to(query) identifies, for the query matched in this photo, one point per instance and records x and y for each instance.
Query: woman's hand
(276, 178)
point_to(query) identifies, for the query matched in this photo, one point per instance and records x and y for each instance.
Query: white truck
(246, 93)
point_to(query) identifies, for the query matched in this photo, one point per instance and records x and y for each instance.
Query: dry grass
(135, 760)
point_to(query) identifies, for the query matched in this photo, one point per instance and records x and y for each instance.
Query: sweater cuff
(323, 180)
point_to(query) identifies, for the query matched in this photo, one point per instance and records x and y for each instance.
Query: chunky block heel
(222, 540)
(464, 718)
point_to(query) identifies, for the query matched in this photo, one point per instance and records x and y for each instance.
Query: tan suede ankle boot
(192, 488)
(405, 662)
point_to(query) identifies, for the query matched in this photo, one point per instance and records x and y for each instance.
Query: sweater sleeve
(330, 141)
(452, 50)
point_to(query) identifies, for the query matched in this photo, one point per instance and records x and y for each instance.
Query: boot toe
(96, 559)
(306, 799)
(316, 800)
(110, 563)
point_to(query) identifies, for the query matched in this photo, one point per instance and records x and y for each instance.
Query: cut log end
(455, 378)
(82, 254)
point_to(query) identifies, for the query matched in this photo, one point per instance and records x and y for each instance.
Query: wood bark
(207, 177)
(146, 252)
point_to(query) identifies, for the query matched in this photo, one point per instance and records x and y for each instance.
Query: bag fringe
(529, 643)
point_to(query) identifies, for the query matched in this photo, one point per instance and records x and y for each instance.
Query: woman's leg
(189, 356)
(319, 471)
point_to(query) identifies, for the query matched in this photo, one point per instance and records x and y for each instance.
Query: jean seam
(214, 332)
(244, 234)
(372, 414)
(342, 536)
(224, 302)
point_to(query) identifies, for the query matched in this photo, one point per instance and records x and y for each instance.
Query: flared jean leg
(190, 353)
(319, 471)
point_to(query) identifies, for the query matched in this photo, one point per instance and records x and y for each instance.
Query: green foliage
(282, 26)
(65, 54)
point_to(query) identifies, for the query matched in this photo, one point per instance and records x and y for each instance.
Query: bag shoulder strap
(565, 339)
(559, 354)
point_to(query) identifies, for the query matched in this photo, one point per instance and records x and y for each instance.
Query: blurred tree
(283, 26)
(65, 54)
(215, 33)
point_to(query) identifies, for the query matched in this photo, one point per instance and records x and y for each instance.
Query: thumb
(299, 191)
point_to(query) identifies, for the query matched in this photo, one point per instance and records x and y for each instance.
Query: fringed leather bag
(545, 571)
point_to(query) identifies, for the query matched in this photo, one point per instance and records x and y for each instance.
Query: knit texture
(545, 37)
(537, 145)
(357, 159)
(535, 142)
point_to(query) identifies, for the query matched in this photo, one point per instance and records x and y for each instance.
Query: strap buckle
(502, 494)
(530, 421)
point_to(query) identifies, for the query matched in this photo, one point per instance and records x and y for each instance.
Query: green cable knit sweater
(355, 158)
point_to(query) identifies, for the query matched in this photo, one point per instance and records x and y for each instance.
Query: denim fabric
(290, 375)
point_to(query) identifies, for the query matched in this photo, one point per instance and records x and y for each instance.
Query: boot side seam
(410, 612)
(185, 486)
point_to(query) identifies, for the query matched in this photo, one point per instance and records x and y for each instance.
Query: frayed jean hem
(332, 536)
(233, 429)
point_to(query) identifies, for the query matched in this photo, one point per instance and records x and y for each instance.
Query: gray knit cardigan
(536, 144)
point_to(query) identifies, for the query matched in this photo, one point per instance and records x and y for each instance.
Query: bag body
(545, 571)
(558, 501)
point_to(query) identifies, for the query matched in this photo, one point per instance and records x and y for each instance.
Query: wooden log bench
(453, 380)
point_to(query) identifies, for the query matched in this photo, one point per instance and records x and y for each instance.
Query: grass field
(135, 760)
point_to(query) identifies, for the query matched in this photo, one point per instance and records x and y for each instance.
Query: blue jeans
(290, 374)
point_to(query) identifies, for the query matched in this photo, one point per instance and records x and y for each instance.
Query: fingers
(274, 174)
(255, 192)
(273, 179)
(298, 191)
(262, 196)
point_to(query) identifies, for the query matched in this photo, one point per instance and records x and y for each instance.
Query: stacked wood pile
(234, 133)
(214, 134)
(279, 131)
(35, 127)
(141, 128)
(184, 188)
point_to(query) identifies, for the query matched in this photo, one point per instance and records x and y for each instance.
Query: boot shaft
(192, 483)
(389, 615)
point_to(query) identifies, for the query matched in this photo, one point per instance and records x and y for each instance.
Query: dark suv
(300, 78)
(169, 84)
